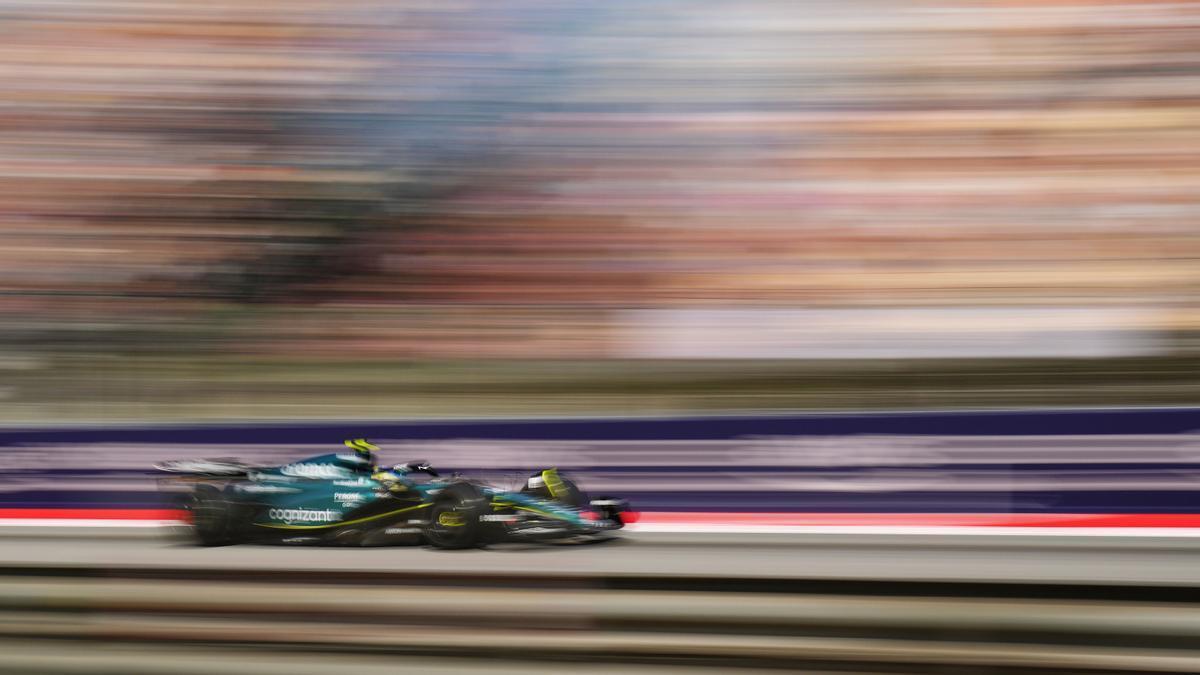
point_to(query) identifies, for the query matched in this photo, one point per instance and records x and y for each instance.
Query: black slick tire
(211, 517)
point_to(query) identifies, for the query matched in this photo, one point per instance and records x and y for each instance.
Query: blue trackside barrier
(1135, 460)
(969, 423)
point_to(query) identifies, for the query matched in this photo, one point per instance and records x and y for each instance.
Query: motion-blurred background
(258, 208)
(605, 235)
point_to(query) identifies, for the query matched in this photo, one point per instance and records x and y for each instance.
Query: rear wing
(208, 468)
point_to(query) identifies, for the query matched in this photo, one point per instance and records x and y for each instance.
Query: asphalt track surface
(27, 657)
(1092, 560)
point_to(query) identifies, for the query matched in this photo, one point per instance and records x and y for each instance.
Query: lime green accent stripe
(550, 478)
(506, 505)
(544, 513)
(344, 522)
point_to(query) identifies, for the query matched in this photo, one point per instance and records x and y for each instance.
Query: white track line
(968, 530)
(84, 522)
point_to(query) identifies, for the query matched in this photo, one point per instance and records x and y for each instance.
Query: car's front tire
(552, 486)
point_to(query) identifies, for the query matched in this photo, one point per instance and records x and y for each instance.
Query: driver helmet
(364, 452)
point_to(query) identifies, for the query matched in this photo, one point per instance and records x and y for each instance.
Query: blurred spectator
(167, 161)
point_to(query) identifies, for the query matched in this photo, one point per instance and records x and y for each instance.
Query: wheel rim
(451, 519)
(446, 525)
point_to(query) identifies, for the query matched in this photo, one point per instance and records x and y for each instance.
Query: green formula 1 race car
(343, 498)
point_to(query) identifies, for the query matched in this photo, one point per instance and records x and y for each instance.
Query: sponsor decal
(290, 516)
(306, 470)
(347, 497)
(265, 489)
(358, 482)
(402, 530)
(498, 518)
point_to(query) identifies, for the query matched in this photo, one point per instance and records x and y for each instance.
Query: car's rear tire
(212, 517)
(454, 518)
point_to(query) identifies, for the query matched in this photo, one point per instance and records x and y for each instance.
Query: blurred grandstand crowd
(410, 179)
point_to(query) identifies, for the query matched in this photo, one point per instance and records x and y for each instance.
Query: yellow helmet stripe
(360, 445)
